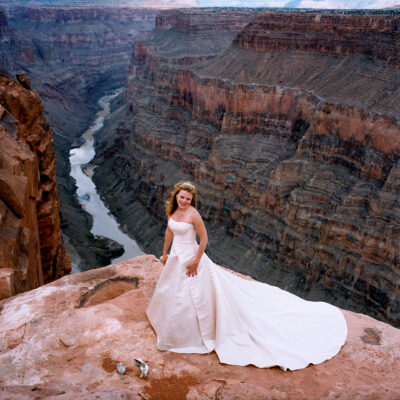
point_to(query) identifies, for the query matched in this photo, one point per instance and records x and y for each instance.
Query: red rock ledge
(65, 338)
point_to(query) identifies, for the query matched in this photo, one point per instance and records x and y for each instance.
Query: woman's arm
(191, 268)
(167, 242)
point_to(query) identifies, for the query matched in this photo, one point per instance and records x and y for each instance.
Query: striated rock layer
(293, 142)
(63, 341)
(373, 35)
(31, 247)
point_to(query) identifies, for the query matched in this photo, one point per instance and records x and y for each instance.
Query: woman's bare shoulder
(195, 215)
(193, 212)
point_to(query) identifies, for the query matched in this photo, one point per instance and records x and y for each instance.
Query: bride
(198, 307)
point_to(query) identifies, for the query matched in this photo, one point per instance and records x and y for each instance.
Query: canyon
(72, 56)
(288, 123)
(32, 251)
(290, 129)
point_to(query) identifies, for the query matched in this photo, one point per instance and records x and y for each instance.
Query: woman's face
(184, 198)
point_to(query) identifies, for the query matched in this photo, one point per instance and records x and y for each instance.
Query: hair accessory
(188, 184)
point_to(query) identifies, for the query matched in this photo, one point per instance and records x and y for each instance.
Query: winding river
(104, 224)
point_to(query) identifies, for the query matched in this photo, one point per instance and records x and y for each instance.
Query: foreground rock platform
(63, 341)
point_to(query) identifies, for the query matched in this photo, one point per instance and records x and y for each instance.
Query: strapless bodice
(184, 232)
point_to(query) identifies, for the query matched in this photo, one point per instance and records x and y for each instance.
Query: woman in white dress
(198, 307)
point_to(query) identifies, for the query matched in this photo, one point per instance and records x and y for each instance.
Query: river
(104, 224)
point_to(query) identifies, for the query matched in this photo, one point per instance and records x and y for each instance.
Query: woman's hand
(164, 258)
(191, 268)
(167, 242)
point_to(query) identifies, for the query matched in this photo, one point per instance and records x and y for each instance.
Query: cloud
(241, 3)
(335, 4)
(345, 4)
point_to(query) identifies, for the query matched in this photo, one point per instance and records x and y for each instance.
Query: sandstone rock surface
(294, 146)
(31, 247)
(63, 341)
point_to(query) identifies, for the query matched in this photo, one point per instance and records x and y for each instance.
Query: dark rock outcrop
(31, 247)
(295, 148)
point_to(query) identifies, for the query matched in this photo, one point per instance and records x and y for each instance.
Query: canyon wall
(292, 136)
(72, 55)
(31, 247)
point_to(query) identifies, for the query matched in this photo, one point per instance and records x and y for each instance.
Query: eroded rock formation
(294, 143)
(31, 247)
(65, 339)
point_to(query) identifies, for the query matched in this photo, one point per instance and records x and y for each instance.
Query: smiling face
(184, 198)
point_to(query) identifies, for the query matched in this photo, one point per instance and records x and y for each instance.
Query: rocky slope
(63, 341)
(292, 135)
(73, 55)
(31, 247)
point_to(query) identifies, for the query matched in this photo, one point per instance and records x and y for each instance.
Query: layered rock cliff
(72, 55)
(292, 136)
(344, 34)
(63, 341)
(31, 247)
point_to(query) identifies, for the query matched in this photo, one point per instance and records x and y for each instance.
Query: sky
(338, 4)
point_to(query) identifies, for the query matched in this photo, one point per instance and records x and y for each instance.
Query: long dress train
(244, 321)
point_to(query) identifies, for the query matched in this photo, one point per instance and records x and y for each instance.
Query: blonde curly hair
(171, 205)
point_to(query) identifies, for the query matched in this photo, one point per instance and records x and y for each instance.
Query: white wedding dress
(244, 321)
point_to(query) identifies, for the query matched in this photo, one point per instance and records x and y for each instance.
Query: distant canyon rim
(288, 122)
